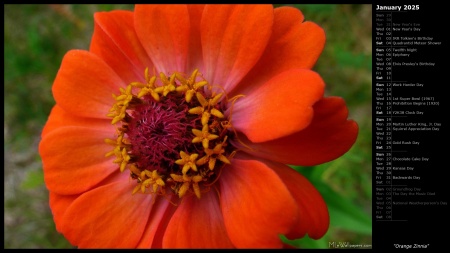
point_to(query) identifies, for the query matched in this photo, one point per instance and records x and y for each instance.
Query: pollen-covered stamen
(148, 88)
(118, 143)
(119, 108)
(188, 162)
(147, 179)
(203, 136)
(120, 151)
(164, 125)
(213, 154)
(186, 181)
(168, 85)
(207, 108)
(189, 86)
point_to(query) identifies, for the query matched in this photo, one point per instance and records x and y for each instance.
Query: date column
(383, 111)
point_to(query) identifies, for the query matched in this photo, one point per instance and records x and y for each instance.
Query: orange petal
(84, 84)
(312, 209)
(298, 44)
(74, 158)
(197, 223)
(256, 205)
(293, 44)
(329, 136)
(164, 32)
(233, 39)
(280, 107)
(108, 216)
(59, 118)
(195, 60)
(115, 41)
(157, 224)
(59, 205)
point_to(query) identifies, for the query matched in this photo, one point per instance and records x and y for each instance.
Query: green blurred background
(37, 36)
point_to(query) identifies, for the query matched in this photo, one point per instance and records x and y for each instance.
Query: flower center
(172, 134)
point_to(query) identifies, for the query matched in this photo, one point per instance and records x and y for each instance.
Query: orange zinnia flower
(174, 129)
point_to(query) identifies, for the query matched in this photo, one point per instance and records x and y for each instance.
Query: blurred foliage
(37, 36)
